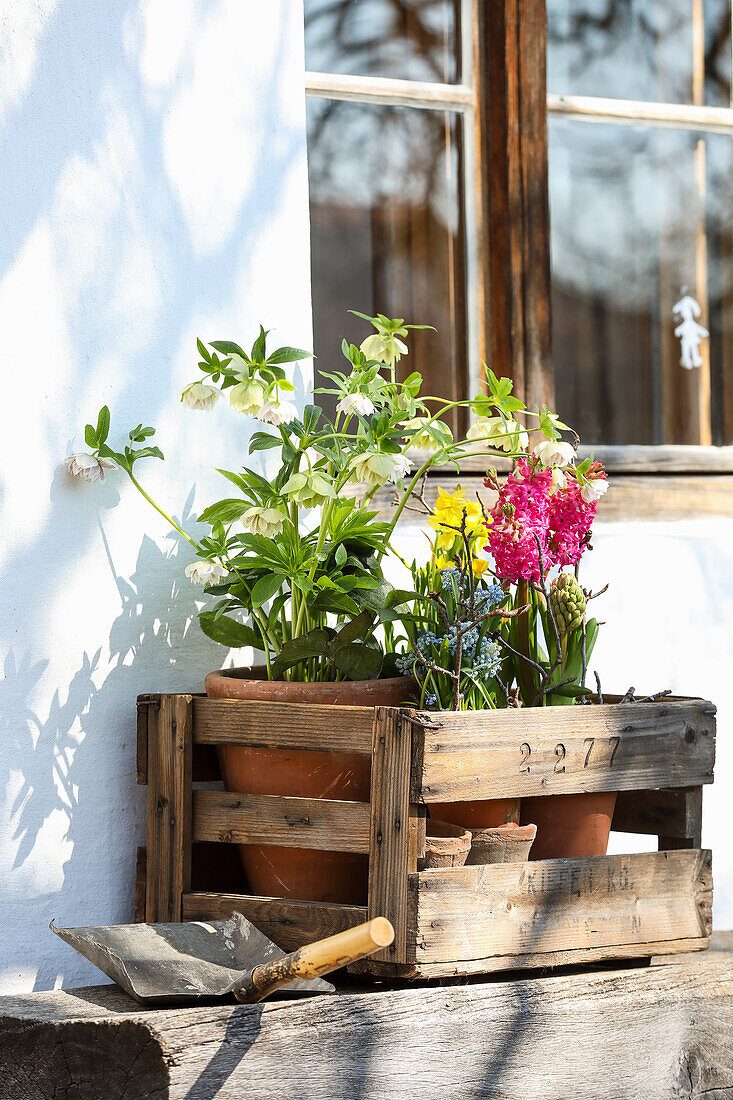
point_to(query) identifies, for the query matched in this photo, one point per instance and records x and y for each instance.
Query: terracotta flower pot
(504, 844)
(482, 814)
(446, 845)
(570, 825)
(303, 874)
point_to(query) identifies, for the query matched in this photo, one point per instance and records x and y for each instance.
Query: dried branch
(598, 688)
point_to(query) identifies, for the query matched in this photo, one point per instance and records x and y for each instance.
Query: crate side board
(561, 750)
(257, 724)
(544, 960)
(289, 924)
(317, 823)
(556, 905)
(394, 835)
(674, 814)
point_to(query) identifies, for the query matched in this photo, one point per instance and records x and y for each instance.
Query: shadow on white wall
(154, 189)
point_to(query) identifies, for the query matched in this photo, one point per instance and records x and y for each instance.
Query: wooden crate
(447, 921)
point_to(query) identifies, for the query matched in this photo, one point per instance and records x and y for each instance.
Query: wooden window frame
(506, 108)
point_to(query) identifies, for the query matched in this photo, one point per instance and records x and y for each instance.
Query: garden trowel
(156, 963)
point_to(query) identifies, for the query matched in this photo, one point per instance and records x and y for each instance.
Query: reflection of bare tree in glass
(386, 231)
(637, 49)
(407, 39)
(627, 215)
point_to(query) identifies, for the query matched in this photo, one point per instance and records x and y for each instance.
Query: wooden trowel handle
(316, 959)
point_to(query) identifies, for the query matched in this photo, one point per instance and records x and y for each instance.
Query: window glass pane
(640, 218)
(387, 233)
(676, 51)
(407, 40)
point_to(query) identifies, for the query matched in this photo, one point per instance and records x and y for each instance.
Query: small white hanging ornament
(690, 333)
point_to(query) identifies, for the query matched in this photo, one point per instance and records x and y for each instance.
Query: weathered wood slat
(556, 905)
(541, 960)
(274, 819)
(283, 725)
(659, 1032)
(675, 813)
(562, 750)
(289, 924)
(168, 867)
(389, 850)
(634, 497)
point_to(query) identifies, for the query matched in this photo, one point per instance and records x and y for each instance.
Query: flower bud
(567, 603)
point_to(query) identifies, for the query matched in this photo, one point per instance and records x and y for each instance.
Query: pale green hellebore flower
(264, 521)
(308, 490)
(247, 397)
(381, 348)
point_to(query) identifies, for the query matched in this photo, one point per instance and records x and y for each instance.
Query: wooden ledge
(657, 1031)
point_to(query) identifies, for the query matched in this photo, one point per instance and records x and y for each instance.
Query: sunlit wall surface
(154, 189)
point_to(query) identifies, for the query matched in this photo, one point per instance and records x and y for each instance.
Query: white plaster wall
(668, 616)
(153, 189)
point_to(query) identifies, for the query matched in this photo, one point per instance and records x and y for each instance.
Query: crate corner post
(169, 757)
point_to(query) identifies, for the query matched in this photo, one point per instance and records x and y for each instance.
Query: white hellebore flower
(239, 365)
(372, 468)
(88, 466)
(553, 452)
(381, 348)
(422, 440)
(200, 396)
(264, 521)
(592, 491)
(402, 467)
(355, 403)
(247, 397)
(203, 572)
(502, 435)
(277, 412)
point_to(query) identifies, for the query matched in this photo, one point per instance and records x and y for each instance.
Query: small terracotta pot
(303, 874)
(570, 825)
(446, 845)
(482, 814)
(504, 844)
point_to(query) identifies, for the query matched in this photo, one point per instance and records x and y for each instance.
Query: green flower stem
(405, 497)
(524, 671)
(165, 515)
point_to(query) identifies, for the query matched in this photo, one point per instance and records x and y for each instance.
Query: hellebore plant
(294, 562)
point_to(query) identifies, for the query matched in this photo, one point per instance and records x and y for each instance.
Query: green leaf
(358, 662)
(102, 425)
(228, 632)
(236, 479)
(90, 436)
(226, 347)
(316, 643)
(265, 588)
(341, 554)
(311, 416)
(353, 630)
(288, 355)
(263, 441)
(148, 452)
(258, 348)
(225, 510)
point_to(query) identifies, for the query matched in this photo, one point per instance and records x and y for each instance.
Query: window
(389, 152)
(641, 203)
(430, 128)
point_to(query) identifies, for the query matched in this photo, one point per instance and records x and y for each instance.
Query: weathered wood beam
(663, 1031)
